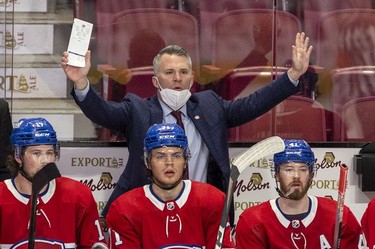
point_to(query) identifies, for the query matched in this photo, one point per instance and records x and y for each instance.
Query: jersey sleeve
(122, 233)
(249, 235)
(90, 230)
(367, 223)
(352, 235)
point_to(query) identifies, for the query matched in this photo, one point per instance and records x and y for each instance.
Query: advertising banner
(33, 83)
(26, 39)
(99, 168)
(23, 5)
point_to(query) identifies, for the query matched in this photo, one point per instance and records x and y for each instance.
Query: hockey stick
(40, 179)
(256, 152)
(340, 205)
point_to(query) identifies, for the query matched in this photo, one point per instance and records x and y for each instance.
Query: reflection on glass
(33, 34)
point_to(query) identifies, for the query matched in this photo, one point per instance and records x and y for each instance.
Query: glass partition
(237, 46)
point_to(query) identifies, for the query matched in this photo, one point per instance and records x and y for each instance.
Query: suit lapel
(156, 112)
(195, 114)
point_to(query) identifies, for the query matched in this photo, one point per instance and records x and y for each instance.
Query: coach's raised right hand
(77, 74)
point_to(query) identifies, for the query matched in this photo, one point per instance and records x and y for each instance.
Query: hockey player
(170, 212)
(66, 216)
(296, 220)
(367, 222)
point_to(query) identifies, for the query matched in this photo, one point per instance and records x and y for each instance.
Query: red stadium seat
(313, 10)
(300, 118)
(174, 27)
(348, 84)
(154, 28)
(240, 82)
(358, 120)
(237, 33)
(345, 38)
(253, 131)
(106, 10)
(135, 80)
(243, 39)
(296, 117)
(210, 10)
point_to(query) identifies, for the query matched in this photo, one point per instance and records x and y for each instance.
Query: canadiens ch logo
(299, 240)
(40, 243)
(181, 247)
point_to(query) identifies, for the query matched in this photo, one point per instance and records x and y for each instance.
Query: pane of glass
(237, 46)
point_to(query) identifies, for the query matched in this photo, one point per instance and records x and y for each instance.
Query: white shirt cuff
(295, 82)
(81, 94)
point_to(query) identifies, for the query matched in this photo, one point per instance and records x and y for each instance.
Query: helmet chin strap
(281, 194)
(24, 174)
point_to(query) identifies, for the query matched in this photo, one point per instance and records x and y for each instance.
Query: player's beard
(297, 193)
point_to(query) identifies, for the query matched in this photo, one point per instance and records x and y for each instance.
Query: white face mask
(174, 99)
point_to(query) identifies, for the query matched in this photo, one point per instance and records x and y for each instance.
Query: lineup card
(79, 42)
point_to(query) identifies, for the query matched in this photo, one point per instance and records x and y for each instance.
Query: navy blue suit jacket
(6, 128)
(211, 115)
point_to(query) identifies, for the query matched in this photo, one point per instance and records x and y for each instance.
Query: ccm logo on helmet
(167, 136)
(42, 135)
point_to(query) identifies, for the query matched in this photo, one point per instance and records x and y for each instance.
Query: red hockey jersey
(139, 219)
(368, 224)
(265, 226)
(67, 216)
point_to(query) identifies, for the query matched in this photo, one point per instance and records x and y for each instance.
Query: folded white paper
(79, 42)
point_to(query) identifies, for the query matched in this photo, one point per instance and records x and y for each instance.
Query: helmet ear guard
(145, 158)
(17, 152)
(295, 151)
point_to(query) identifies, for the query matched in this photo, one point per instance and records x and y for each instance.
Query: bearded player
(296, 220)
